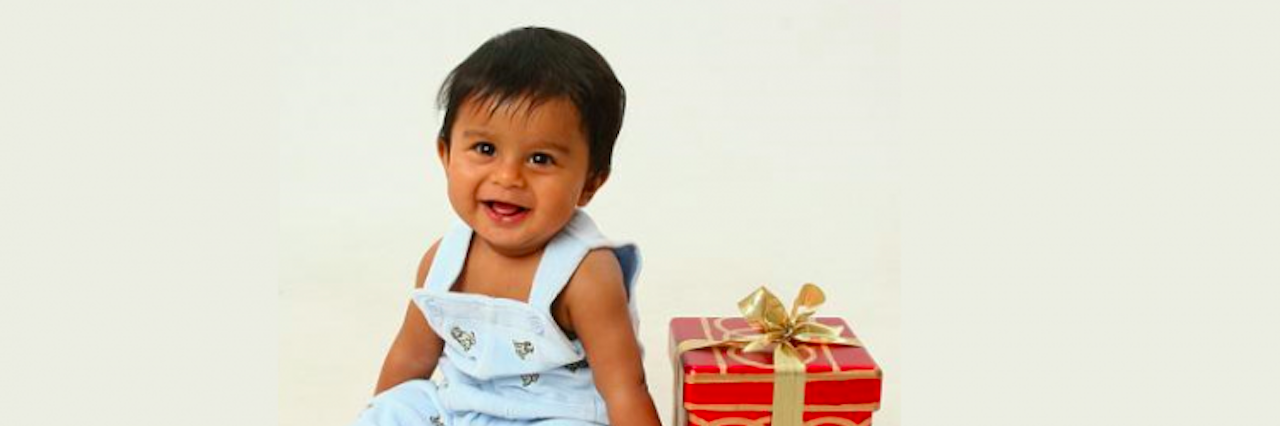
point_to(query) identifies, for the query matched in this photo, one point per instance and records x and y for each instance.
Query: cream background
(759, 147)
(1088, 213)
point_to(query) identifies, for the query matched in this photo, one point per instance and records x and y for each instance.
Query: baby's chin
(511, 243)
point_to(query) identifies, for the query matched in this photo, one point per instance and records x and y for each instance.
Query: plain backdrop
(210, 212)
(758, 148)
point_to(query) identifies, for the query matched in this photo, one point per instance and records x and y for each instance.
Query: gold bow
(766, 314)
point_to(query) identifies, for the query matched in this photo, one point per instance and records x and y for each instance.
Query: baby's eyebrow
(553, 146)
(477, 133)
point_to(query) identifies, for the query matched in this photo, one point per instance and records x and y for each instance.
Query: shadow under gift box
(725, 386)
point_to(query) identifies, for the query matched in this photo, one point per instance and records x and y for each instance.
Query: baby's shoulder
(599, 274)
(424, 266)
(601, 259)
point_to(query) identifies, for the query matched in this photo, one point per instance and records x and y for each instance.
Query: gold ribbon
(774, 326)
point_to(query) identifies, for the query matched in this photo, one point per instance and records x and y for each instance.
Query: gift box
(731, 385)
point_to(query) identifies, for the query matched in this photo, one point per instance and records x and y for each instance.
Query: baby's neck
(497, 274)
(496, 254)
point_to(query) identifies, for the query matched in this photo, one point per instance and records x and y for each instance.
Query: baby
(523, 305)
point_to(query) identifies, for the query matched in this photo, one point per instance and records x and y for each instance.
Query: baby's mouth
(505, 210)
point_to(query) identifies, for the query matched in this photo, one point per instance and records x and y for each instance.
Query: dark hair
(539, 64)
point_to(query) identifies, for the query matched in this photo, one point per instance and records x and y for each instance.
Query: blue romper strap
(566, 251)
(451, 255)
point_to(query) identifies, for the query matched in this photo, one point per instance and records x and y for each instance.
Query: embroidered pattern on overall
(523, 349)
(575, 366)
(528, 379)
(464, 338)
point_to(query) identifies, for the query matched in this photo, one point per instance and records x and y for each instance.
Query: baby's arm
(417, 348)
(597, 306)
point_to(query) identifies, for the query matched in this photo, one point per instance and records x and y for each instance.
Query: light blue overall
(505, 362)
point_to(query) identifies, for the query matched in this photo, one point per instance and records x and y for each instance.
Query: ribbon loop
(763, 310)
(807, 303)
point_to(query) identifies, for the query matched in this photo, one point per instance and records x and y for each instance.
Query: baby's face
(517, 176)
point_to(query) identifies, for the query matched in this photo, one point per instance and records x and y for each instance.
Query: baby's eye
(541, 159)
(484, 148)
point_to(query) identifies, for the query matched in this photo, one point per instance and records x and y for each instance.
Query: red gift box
(726, 386)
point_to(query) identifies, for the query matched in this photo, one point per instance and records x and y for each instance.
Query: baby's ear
(443, 151)
(593, 184)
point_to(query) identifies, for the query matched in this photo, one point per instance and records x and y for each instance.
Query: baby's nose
(508, 175)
